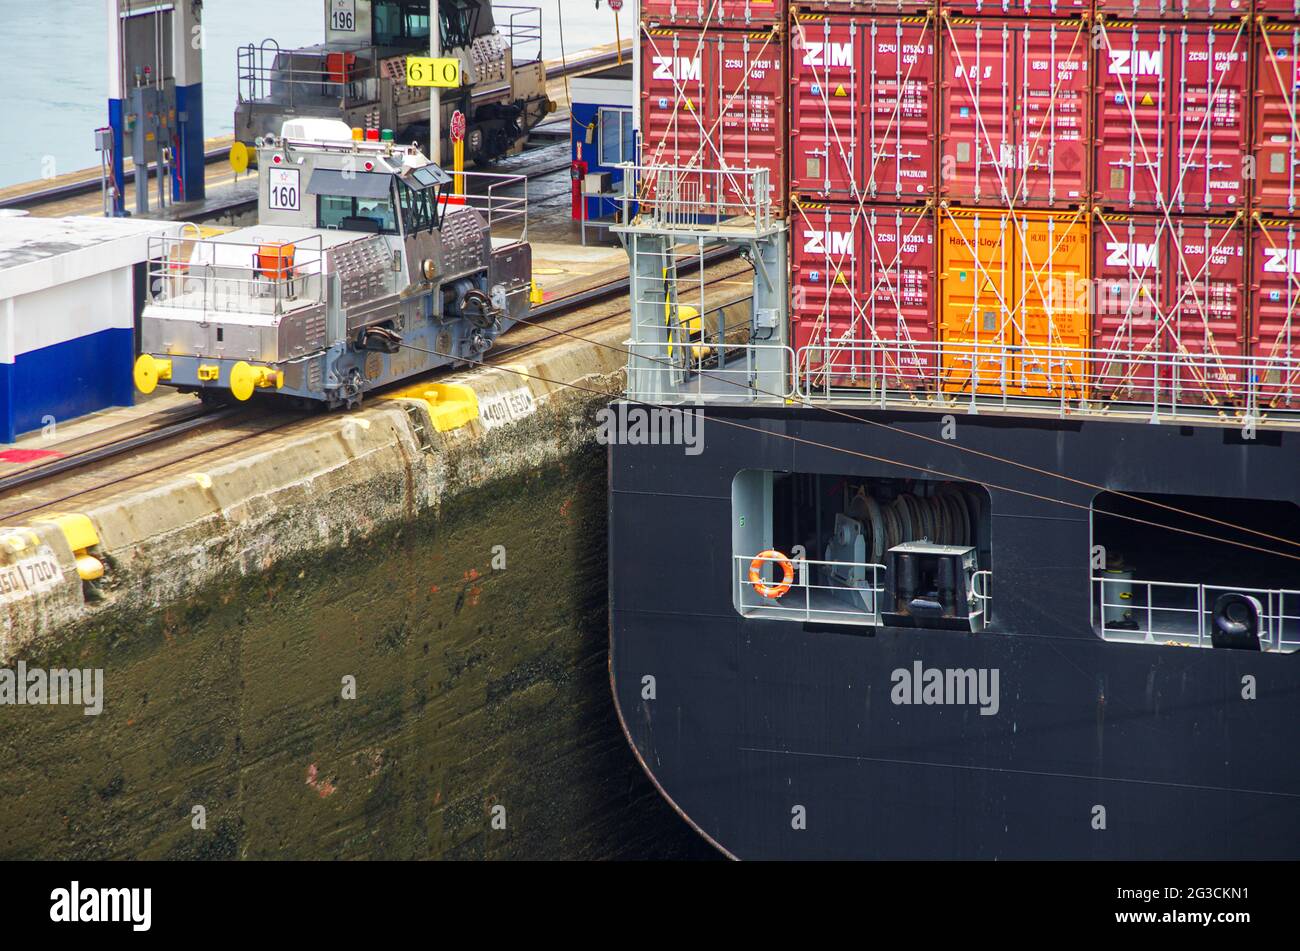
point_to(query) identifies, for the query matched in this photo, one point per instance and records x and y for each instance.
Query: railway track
(249, 422)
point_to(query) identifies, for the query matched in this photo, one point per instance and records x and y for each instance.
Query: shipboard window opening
(860, 551)
(1189, 589)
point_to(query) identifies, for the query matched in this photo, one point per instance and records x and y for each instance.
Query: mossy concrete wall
(239, 599)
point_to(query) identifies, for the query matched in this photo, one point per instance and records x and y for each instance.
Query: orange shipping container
(1013, 314)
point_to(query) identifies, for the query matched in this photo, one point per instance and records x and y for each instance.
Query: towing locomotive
(364, 268)
(358, 75)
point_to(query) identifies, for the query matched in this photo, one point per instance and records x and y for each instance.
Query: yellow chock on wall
(451, 405)
(81, 537)
(536, 295)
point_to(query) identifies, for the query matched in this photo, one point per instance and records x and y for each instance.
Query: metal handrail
(1195, 610)
(298, 76)
(227, 276)
(780, 607)
(525, 31)
(1074, 377)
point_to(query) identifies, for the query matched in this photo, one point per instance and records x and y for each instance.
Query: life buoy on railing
(771, 591)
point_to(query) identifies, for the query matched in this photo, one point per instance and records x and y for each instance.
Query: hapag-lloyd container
(1174, 9)
(1014, 112)
(714, 14)
(1171, 116)
(1276, 139)
(715, 100)
(1013, 301)
(1275, 308)
(862, 286)
(861, 105)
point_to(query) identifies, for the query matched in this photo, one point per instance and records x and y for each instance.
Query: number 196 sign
(426, 71)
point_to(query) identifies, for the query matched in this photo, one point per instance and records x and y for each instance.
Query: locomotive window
(417, 209)
(401, 24)
(356, 214)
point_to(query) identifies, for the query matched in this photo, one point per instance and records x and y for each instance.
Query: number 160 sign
(426, 71)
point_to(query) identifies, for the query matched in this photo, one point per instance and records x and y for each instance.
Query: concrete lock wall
(237, 599)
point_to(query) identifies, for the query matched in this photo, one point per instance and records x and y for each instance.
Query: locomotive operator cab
(362, 270)
(358, 74)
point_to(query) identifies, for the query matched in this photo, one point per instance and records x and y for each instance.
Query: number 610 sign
(426, 71)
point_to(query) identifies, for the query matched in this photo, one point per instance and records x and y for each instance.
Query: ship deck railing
(1144, 383)
(813, 596)
(695, 371)
(704, 203)
(1180, 613)
(228, 277)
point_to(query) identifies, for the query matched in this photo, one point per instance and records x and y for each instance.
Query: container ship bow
(969, 526)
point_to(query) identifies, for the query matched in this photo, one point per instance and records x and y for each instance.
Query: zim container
(1014, 8)
(1014, 112)
(714, 14)
(1171, 114)
(1013, 301)
(861, 104)
(1207, 307)
(715, 100)
(862, 289)
(1175, 9)
(1276, 139)
(1275, 302)
(1130, 258)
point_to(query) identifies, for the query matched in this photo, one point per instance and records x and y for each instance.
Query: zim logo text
(828, 242)
(828, 54)
(678, 68)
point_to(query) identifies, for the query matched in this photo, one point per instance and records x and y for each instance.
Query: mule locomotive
(358, 75)
(363, 269)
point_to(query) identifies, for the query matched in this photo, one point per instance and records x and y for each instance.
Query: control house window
(617, 140)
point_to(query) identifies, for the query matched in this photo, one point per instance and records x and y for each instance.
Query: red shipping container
(1276, 140)
(715, 101)
(1171, 117)
(1278, 8)
(713, 14)
(1275, 310)
(1014, 112)
(1206, 314)
(863, 291)
(1130, 256)
(862, 121)
(1174, 9)
(868, 7)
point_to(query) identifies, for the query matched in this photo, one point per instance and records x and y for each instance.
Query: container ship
(988, 546)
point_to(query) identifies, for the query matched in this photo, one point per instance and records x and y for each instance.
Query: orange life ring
(772, 591)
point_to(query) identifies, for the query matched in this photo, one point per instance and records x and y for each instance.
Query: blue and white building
(70, 290)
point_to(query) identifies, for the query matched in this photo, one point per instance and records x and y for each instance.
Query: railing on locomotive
(485, 192)
(229, 278)
(523, 32)
(300, 77)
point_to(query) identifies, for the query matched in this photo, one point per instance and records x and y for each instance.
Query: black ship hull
(794, 739)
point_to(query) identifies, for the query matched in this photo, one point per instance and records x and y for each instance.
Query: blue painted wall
(189, 103)
(66, 380)
(584, 114)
